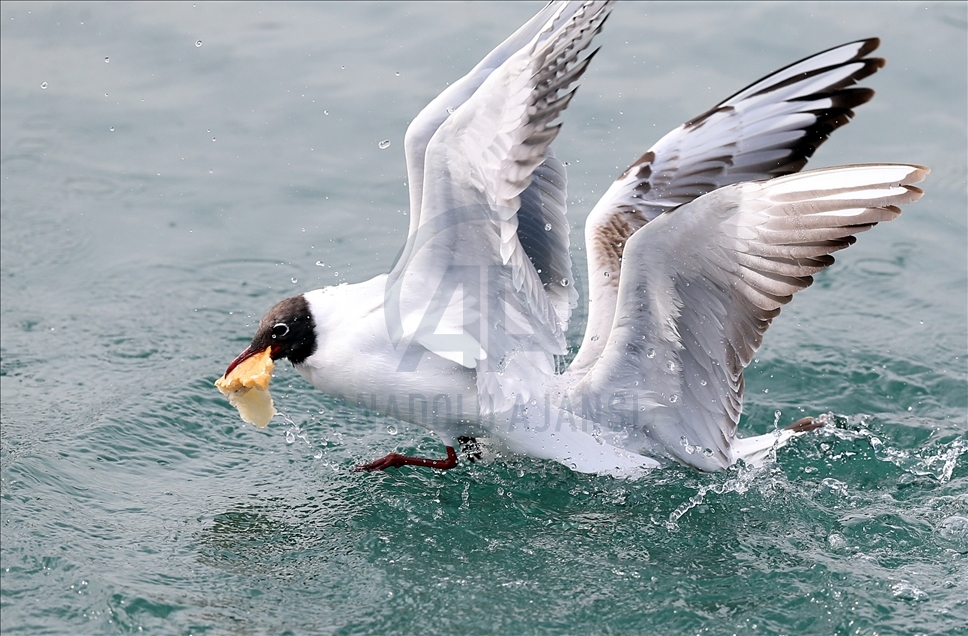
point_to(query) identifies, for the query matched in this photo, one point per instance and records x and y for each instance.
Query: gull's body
(691, 252)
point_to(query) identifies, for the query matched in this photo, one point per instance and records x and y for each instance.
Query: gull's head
(287, 330)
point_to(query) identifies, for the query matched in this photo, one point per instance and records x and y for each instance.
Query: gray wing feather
(770, 128)
(700, 286)
(470, 290)
(543, 233)
(430, 118)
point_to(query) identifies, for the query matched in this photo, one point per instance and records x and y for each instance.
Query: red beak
(248, 353)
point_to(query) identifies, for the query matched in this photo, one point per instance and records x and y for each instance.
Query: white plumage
(692, 252)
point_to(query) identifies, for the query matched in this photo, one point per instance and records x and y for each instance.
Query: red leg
(807, 424)
(395, 460)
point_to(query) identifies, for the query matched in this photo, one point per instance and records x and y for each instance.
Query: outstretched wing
(701, 284)
(542, 198)
(769, 128)
(470, 291)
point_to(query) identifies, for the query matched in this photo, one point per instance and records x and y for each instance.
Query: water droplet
(325, 112)
(290, 437)
(213, 138)
(607, 275)
(702, 383)
(450, 110)
(198, 43)
(565, 282)
(384, 144)
(318, 454)
(294, 281)
(673, 398)
(684, 441)
(594, 338)
(392, 429)
(547, 227)
(671, 365)
(320, 264)
(106, 60)
(43, 85)
(708, 452)
(650, 353)
(398, 73)
(111, 128)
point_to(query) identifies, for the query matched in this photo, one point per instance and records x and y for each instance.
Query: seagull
(692, 252)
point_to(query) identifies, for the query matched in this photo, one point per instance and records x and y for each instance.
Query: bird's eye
(279, 330)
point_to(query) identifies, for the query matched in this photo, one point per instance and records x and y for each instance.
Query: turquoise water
(169, 171)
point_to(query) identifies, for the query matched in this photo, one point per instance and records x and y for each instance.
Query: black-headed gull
(691, 254)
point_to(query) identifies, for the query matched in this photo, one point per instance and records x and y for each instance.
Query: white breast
(355, 360)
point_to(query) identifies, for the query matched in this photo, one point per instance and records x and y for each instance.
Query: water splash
(739, 484)
(937, 460)
(907, 591)
(294, 432)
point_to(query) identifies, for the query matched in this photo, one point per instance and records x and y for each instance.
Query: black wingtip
(870, 45)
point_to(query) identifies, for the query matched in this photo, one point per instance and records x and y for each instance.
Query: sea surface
(171, 170)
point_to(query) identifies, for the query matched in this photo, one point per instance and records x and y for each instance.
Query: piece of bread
(247, 388)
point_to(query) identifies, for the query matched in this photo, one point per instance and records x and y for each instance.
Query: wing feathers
(493, 205)
(838, 55)
(769, 128)
(714, 273)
